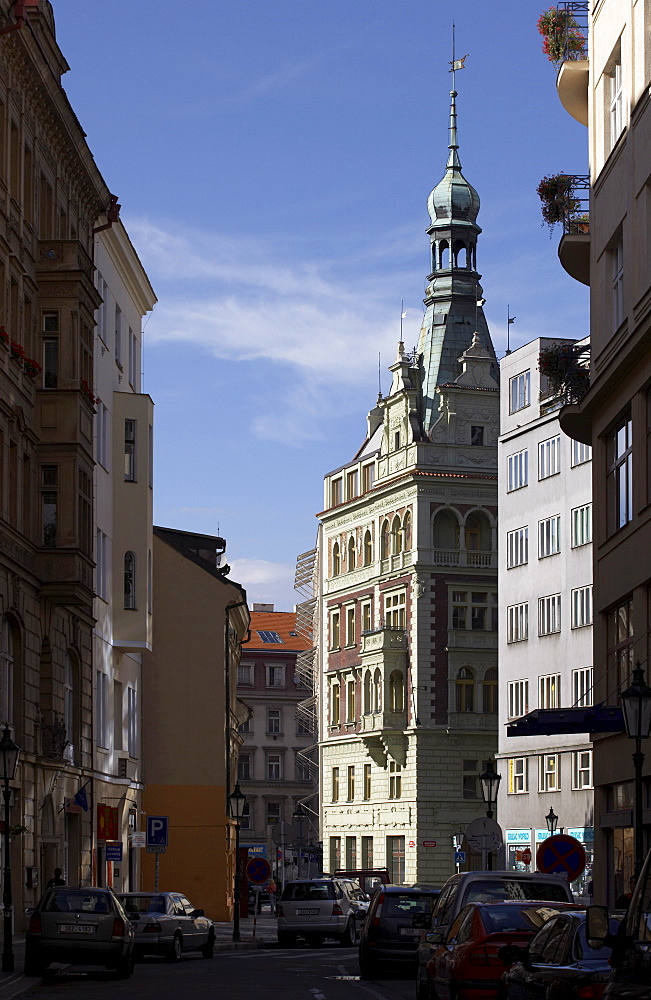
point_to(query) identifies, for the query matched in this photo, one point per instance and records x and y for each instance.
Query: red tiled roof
(282, 622)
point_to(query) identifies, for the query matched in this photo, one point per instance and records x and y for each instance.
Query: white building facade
(545, 599)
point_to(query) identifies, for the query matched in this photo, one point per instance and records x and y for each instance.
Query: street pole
(638, 761)
(236, 912)
(7, 901)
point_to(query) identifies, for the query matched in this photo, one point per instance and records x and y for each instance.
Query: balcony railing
(568, 40)
(463, 557)
(577, 218)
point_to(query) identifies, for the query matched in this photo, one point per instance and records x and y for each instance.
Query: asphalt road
(327, 973)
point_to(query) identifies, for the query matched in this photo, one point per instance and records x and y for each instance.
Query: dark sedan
(557, 964)
(395, 921)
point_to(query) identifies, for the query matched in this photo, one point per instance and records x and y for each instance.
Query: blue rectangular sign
(114, 852)
(157, 831)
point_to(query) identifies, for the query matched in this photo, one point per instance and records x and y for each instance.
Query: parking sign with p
(157, 831)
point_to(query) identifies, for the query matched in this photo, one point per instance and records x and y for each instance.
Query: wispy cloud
(266, 582)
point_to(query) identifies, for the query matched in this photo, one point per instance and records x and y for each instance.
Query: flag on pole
(458, 63)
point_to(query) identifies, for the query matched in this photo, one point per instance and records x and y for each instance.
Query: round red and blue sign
(561, 855)
(258, 871)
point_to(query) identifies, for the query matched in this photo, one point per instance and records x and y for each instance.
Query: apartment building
(545, 598)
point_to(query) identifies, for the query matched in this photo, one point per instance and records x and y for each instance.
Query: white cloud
(266, 582)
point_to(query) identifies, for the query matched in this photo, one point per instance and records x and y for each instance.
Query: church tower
(407, 592)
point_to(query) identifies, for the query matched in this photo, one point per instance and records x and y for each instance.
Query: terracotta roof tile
(282, 622)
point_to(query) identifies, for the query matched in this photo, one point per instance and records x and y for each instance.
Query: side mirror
(596, 926)
(423, 920)
(197, 913)
(435, 937)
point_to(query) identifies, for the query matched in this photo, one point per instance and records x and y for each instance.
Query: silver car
(166, 923)
(316, 909)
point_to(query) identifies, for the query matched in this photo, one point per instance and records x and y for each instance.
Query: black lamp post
(490, 783)
(299, 818)
(236, 802)
(636, 706)
(10, 753)
(551, 819)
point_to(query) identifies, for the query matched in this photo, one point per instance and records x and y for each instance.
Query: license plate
(76, 928)
(306, 913)
(411, 931)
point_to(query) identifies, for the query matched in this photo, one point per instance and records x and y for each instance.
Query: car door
(200, 925)
(542, 969)
(459, 932)
(182, 921)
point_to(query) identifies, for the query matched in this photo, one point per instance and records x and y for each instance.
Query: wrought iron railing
(577, 218)
(579, 10)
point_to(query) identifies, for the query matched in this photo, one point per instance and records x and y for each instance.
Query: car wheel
(175, 950)
(124, 969)
(286, 940)
(208, 949)
(348, 938)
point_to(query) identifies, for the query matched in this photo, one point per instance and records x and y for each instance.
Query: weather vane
(456, 64)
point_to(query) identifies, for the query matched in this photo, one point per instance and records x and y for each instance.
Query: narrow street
(327, 973)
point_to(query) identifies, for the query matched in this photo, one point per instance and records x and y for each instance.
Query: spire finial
(453, 159)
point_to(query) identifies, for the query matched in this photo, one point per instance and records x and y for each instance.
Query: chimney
(262, 607)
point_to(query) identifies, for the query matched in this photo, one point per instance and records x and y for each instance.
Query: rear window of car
(407, 905)
(77, 902)
(492, 890)
(143, 904)
(498, 919)
(300, 891)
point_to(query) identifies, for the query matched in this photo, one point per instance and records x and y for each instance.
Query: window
(368, 477)
(519, 391)
(350, 701)
(101, 564)
(352, 555)
(395, 780)
(549, 778)
(489, 692)
(350, 625)
(616, 255)
(118, 338)
(366, 617)
(350, 782)
(335, 492)
(616, 102)
(518, 698)
(459, 609)
(396, 692)
(517, 622)
(581, 607)
(84, 511)
(368, 549)
(517, 547)
(335, 784)
(130, 581)
(549, 536)
(549, 691)
(367, 852)
(476, 436)
(581, 453)
(582, 769)
(549, 457)
(245, 823)
(351, 484)
(129, 451)
(335, 637)
(273, 721)
(351, 852)
(49, 504)
(244, 727)
(549, 614)
(396, 537)
(394, 610)
(275, 675)
(396, 860)
(71, 707)
(245, 673)
(102, 709)
(336, 559)
(274, 812)
(582, 696)
(465, 690)
(620, 645)
(274, 766)
(470, 779)
(367, 782)
(302, 770)
(133, 359)
(132, 722)
(517, 470)
(620, 475)
(268, 636)
(335, 704)
(102, 434)
(581, 525)
(396, 440)
(335, 853)
(377, 691)
(517, 772)
(244, 770)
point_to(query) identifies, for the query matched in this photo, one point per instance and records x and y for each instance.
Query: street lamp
(636, 706)
(551, 819)
(490, 783)
(298, 816)
(236, 802)
(10, 753)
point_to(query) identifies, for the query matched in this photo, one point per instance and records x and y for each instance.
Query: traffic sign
(113, 851)
(526, 856)
(484, 834)
(561, 855)
(459, 857)
(429, 843)
(157, 831)
(258, 870)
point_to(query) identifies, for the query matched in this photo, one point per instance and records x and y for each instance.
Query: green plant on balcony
(564, 371)
(31, 367)
(17, 350)
(557, 199)
(4, 337)
(562, 38)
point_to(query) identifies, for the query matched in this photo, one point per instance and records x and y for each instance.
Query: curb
(16, 985)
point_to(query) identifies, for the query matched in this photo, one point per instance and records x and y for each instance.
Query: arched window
(129, 581)
(336, 560)
(377, 691)
(478, 533)
(385, 541)
(368, 549)
(406, 532)
(490, 691)
(351, 554)
(445, 530)
(396, 536)
(444, 254)
(335, 707)
(396, 692)
(465, 685)
(368, 693)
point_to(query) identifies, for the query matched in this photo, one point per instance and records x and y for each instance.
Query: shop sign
(518, 836)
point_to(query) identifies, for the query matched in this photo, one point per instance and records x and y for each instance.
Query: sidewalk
(12, 984)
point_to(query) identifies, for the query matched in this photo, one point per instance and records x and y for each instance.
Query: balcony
(572, 88)
(66, 576)
(384, 639)
(464, 558)
(568, 45)
(565, 201)
(377, 721)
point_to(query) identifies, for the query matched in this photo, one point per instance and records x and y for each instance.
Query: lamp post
(236, 802)
(551, 819)
(299, 817)
(490, 783)
(636, 706)
(10, 752)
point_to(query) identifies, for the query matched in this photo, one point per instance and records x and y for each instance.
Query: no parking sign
(561, 855)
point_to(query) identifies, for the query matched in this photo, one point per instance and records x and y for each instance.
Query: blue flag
(81, 799)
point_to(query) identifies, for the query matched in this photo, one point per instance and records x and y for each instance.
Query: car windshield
(80, 901)
(308, 890)
(515, 918)
(407, 906)
(492, 890)
(143, 904)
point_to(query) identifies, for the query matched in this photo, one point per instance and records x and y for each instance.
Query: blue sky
(273, 160)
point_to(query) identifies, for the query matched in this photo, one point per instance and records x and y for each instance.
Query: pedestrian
(271, 891)
(624, 901)
(57, 879)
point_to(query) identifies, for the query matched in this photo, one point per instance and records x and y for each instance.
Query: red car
(465, 965)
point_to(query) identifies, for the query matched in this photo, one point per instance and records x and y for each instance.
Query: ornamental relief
(476, 456)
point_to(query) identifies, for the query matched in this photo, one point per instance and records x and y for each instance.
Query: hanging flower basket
(563, 371)
(17, 350)
(562, 38)
(31, 367)
(558, 201)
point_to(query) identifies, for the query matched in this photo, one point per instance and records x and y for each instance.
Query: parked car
(316, 909)
(557, 963)
(166, 923)
(79, 926)
(465, 962)
(369, 879)
(492, 887)
(395, 921)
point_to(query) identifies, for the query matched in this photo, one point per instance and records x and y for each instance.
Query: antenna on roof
(379, 376)
(509, 319)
